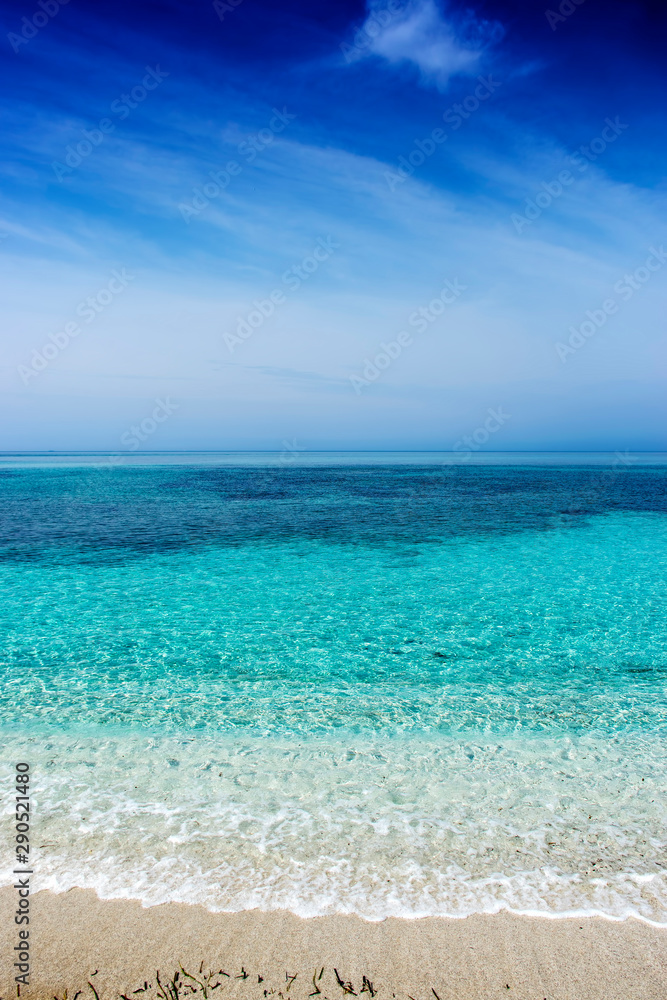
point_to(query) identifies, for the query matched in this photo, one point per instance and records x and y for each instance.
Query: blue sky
(239, 208)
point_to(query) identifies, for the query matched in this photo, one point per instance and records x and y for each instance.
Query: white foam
(412, 828)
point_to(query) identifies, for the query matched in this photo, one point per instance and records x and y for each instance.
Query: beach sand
(73, 934)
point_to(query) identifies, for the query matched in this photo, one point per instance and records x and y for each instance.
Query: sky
(403, 224)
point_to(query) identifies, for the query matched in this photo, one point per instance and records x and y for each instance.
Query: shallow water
(391, 690)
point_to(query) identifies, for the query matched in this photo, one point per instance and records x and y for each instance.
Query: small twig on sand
(346, 987)
(316, 988)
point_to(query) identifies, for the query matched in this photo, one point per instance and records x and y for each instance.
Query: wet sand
(116, 946)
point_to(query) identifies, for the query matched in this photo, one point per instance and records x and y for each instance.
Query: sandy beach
(118, 945)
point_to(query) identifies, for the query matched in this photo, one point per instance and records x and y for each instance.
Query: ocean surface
(388, 687)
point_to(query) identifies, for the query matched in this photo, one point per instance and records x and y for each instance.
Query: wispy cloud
(449, 218)
(423, 34)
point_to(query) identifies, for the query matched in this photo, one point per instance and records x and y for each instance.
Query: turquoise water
(385, 690)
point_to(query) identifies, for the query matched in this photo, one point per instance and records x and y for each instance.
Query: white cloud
(419, 33)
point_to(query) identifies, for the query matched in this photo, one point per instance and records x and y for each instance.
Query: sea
(383, 684)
